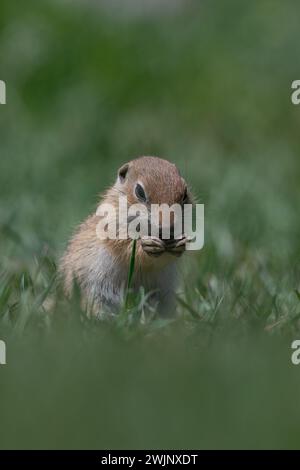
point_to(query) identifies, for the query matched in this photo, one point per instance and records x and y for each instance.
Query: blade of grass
(130, 273)
(297, 294)
(190, 309)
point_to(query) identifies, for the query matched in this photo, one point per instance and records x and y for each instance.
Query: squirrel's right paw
(153, 246)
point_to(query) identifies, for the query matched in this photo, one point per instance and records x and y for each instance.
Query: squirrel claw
(153, 246)
(178, 247)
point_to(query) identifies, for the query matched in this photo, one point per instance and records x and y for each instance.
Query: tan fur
(100, 266)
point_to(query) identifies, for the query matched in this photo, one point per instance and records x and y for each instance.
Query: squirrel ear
(123, 172)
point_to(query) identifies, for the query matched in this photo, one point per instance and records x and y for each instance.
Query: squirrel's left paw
(153, 246)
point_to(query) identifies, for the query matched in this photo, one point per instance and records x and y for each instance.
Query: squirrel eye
(140, 193)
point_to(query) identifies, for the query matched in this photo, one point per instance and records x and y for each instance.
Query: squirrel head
(152, 180)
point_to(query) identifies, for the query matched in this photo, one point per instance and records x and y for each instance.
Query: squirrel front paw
(177, 247)
(153, 246)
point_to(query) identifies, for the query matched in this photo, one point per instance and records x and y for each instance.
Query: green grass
(130, 272)
(210, 90)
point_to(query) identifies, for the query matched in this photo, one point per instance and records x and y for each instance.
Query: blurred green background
(206, 84)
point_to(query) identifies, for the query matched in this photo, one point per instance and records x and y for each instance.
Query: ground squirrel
(100, 267)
